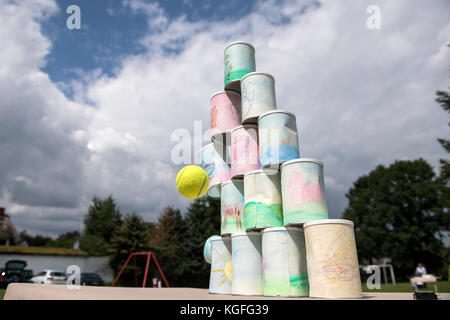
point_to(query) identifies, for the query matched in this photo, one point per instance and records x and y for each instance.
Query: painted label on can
(284, 263)
(239, 60)
(303, 189)
(221, 266)
(247, 264)
(232, 208)
(225, 112)
(332, 260)
(278, 138)
(214, 162)
(263, 204)
(207, 248)
(258, 96)
(244, 150)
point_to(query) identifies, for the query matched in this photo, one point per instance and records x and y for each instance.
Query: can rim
(327, 221)
(229, 181)
(225, 91)
(237, 42)
(245, 125)
(217, 239)
(240, 234)
(302, 160)
(282, 229)
(257, 72)
(254, 172)
(277, 111)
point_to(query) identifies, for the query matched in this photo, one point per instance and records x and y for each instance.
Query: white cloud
(362, 97)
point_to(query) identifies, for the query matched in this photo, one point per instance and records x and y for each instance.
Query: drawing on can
(221, 266)
(232, 207)
(278, 138)
(247, 263)
(239, 60)
(303, 191)
(225, 113)
(332, 259)
(258, 96)
(284, 262)
(220, 170)
(244, 150)
(263, 204)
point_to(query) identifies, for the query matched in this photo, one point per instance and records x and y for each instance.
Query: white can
(333, 269)
(221, 266)
(258, 95)
(284, 262)
(247, 264)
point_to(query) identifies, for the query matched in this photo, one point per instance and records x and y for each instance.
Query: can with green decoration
(262, 195)
(239, 60)
(284, 262)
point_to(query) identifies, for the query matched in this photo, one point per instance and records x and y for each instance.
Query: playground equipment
(149, 255)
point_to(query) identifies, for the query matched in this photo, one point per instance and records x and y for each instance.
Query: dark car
(14, 272)
(90, 279)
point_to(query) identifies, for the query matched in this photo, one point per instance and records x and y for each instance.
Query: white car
(50, 277)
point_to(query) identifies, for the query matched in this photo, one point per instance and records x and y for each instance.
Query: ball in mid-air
(192, 181)
(207, 248)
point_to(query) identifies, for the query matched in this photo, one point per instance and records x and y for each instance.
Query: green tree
(202, 220)
(168, 241)
(65, 240)
(397, 213)
(100, 224)
(34, 241)
(131, 236)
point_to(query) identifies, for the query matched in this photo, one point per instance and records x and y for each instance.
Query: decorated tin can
(207, 248)
(278, 138)
(221, 266)
(333, 269)
(239, 60)
(213, 159)
(258, 96)
(225, 113)
(284, 262)
(244, 150)
(263, 204)
(247, 263)
(303, 189)
(232, 207)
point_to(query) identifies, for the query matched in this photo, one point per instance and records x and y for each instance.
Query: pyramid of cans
(276, 238)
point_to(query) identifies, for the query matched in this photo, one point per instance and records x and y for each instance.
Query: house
(8, 233)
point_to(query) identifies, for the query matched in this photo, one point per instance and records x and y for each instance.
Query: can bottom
(251, 120)
(247, 294)
(223, 138)
(234, 85)
(295, 224)
(258, 229)
(237, 177)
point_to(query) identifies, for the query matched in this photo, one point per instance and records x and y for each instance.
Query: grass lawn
(442, 287)
(2, 293)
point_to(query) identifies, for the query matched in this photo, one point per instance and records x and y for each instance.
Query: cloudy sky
(92, 111)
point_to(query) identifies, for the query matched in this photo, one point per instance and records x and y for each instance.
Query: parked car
(13, 272)
(50, 277)
(91, 279)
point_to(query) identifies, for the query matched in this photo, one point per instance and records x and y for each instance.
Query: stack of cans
(276, 238)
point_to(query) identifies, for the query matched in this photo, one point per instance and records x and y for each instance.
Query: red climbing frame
(148, 254)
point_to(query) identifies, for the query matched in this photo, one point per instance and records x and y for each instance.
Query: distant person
(420, 271)
(155, 282)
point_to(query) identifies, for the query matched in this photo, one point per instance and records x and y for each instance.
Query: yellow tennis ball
(192, 182)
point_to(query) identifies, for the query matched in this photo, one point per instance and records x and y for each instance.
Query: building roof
(41, 251)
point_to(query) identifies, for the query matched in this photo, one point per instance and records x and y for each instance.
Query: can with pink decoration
(225, 114)
(303, 190)
(244, 150)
